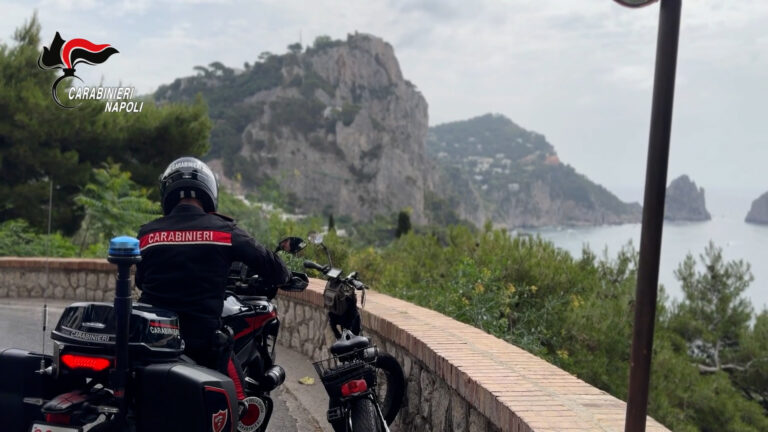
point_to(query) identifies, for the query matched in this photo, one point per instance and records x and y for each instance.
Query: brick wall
(459, 378)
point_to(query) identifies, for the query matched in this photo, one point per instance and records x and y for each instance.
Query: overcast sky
(578, 71)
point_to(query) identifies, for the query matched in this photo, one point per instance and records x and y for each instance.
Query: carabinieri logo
(66, 55)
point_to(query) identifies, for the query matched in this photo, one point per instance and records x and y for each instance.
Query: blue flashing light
(124, 246)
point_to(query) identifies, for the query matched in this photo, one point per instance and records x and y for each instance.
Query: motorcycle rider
(186, 255)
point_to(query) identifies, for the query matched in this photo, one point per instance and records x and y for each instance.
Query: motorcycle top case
(153, 333)
(18, 380)
(184, 397)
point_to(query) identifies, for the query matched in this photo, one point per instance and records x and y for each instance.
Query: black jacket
(185, 258)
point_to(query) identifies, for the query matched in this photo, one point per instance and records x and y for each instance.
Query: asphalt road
(297, 407)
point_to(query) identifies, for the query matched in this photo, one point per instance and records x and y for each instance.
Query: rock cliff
(758, 213)
(336, 126)
(685, 201)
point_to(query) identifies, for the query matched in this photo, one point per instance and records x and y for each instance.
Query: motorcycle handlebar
(313, 265)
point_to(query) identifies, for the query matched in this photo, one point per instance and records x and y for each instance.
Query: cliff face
(685, 201)
(492, 169)
(758, 213)
(336, 126)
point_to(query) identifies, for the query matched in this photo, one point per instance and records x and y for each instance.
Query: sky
(578, 71)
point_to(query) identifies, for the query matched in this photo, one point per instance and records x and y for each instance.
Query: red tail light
(74, 361)
(57, 418)
(353, 387)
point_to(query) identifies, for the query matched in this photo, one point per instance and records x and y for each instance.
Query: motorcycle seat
(349, 343)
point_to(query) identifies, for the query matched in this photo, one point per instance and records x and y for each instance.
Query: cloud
(578, 71)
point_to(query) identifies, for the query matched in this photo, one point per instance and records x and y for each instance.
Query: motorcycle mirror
(291, 245)
(315, 238)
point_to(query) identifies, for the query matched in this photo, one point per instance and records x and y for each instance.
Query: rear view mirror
(315, 238)
(291, 245)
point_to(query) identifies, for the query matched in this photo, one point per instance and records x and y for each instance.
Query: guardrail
(459, 378)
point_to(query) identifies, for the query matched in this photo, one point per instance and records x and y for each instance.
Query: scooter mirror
(291, 244)
(315, 238)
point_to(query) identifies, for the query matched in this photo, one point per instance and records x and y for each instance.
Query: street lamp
(635, 3)
(653, 210)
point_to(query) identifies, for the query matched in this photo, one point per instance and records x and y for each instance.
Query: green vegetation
(574, 313)
(348, 113)
(114, 205)
(312, 81)
(17, 238)
(299, 115)
(486, 135)
(40, 142)
(324, 42)
(403, 224)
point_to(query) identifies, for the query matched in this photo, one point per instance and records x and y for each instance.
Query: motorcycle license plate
(45, 427)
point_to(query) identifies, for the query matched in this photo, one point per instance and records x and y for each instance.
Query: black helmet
(188, 177)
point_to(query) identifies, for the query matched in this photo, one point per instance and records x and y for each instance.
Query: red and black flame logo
(65, 55)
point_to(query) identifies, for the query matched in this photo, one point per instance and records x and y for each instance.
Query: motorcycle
(365, 385)
(120, 366)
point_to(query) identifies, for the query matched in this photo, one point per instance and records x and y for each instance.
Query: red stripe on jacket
(185, 237)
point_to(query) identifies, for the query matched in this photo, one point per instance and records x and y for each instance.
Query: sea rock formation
(758, 213)
(685, 201)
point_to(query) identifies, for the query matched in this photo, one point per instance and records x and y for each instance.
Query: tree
(39, 141)
(331, 223)
(295, 48)
(752, 379)
(114, 205)
(218, 68)
(403, 224)
(323, 41)
(713, 317)
(202, 71)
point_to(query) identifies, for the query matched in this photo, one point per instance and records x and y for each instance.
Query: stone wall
(459, 378)
(57, 278)
(429, 405)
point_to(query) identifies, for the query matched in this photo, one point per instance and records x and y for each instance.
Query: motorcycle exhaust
(273, 377)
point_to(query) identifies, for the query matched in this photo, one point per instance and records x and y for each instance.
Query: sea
(727, 229)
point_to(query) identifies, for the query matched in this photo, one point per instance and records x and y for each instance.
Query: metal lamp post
(653, 210)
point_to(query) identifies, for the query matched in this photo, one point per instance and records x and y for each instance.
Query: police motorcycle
(365, 385)
(120, 366)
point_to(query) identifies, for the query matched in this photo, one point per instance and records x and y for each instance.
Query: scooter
(357, 370)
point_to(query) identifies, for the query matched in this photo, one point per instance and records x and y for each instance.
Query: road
(297, 407)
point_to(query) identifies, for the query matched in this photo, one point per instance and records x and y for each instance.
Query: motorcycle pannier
(18, 380)
(184, 397)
